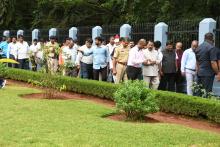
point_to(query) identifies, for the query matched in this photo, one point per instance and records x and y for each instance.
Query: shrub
(135, 100)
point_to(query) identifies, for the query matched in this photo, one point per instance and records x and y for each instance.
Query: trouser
(52, 64)
(134, 73)
(11, 64)
(206, 82)
(86, 70)
(167, 82)
(39, 63)
(103, 72)
(180, 82)
(190, 79)
(153, 81)
(72, 72)
(33, 63)
(23, 63)
(121, 73)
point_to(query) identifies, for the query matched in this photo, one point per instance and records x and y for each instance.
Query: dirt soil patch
(159, 117)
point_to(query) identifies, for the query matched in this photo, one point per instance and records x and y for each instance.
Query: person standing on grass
(33, 51)
(169, 68)
(135, 60)
(188, 66)
(85, 63)
(4, 47)
(100, 59)
(69, 54)
(110, 46)
(39, 54)
(120, 59)
(179, 80)
(65, 44)
(207, 58)
(151, 66)
(52, 52)
(23, 53)
(13, 51)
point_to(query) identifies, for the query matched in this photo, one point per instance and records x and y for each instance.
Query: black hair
(209, 36)
(20, 36)
(53, 37)
(157, 44)
(99, 39)
(89, 40)
(169, 43)
(111, 37)
(124, 39)
(35, 40)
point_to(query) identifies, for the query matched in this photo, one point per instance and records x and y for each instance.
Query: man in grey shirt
(207, 65)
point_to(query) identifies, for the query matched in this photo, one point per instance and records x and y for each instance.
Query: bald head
(179, 46)
(194, 44)
(142, 43)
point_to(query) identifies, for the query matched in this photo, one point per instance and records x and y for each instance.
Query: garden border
(168, 101)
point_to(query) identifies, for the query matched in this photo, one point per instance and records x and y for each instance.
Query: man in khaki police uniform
(120, 60)
(52, 52)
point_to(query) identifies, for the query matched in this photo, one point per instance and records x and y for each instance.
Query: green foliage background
(28, 14)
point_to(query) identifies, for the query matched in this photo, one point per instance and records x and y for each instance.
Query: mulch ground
(159, 117)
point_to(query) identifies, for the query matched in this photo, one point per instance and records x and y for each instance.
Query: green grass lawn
(80, 123)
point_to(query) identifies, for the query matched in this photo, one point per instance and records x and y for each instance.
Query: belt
(123, 63)
(190, 69)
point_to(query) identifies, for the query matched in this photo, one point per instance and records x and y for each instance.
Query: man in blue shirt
(100, 59)
(206, 55)
(4, 47)
(4, 53)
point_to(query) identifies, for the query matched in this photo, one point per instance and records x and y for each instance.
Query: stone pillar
(160, 33)
(73, 33)
(96, 32)
(6, 33)
(20, 32)
(53, 32)
(207, 25)
(35, 34)
(125, 31)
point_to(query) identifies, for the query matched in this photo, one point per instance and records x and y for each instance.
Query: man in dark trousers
(207, 64)
(180, 80)
(169, 68)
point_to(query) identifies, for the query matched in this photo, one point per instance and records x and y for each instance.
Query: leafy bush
(168, 101)
(199, 90)
(135, 100)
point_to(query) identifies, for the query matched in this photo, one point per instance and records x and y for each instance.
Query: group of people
(166, 68)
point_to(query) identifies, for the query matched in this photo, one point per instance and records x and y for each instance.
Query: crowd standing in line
(120, 60)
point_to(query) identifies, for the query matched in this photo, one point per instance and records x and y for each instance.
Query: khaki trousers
(121, 73)
(153, 82)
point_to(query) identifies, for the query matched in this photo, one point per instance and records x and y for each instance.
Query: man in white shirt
(86, 62)
(151, 66)
(40, 54)
(69, 55)
(23, 53)
(188, 66)
(135, 60)
(13, 51)
(111, 45)
(33, 52)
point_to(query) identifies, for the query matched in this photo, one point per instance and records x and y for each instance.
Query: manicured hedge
(168, 101)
